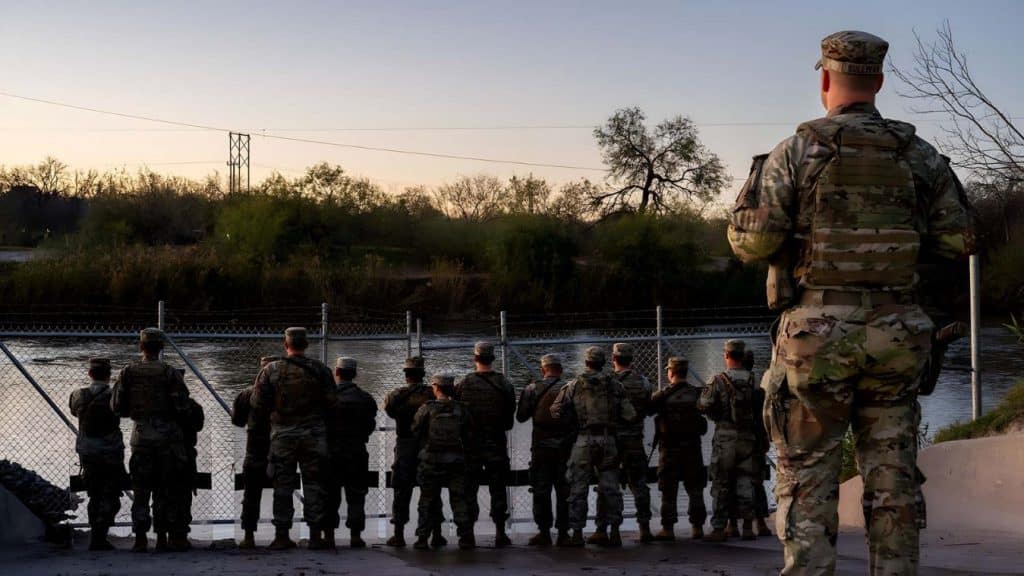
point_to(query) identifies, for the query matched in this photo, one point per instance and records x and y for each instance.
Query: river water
(31, 434)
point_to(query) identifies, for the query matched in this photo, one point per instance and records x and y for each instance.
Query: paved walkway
(943, 554)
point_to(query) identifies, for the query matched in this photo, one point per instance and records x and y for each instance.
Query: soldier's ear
(826, 81)
(879, 82)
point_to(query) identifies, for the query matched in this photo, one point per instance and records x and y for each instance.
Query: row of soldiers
(301, 417)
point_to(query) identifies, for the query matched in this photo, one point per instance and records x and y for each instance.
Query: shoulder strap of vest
(546, 389)
(823, 130)
(486, 378)
(312, 371)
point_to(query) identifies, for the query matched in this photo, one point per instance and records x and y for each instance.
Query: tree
(471, 198)
(330, 185)
(416, 202)
(574, 201)
(655, 165)
(527, 195)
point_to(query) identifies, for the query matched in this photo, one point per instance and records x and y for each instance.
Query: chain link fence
(44, 357)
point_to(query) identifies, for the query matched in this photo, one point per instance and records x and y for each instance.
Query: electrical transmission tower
(238, 162)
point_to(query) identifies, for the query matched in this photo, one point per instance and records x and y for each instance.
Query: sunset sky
(543, 72)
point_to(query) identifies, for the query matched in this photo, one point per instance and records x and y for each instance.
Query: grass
(1010, 410)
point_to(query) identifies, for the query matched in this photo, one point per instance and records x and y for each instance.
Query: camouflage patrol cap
(297, 336)
(852, 52)
(622, 350)
(99, 364)
(678, 365)
(345, 363)
(483, 349)
(593, 354)
(152, 335)
(413, 363)
(444, 380)
(551, 360)
(735, 346)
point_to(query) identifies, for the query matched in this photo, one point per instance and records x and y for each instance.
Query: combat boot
(467, 542)
(563, 540)
(500, 538)
(748, 529)
(316, 540)
(329, 542)
(615, 539)
(666, 534)
(696, 532)
(599, 537)
(422, 542)
(542, 538)
(141, 543)
(356, 541)
(645, 533)
(717, 535)
(161, 542)
(178, 542)
(437, 539)
(733, 529)
(397, 539)
(576, 540)
(98, 541)
(762, 528)
(281, 540)
(248, 541)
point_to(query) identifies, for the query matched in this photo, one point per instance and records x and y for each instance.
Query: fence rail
(42, 362)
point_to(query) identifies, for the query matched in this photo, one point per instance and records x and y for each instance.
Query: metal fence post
(408, 333)
(160, 314)
(975, 274)
(509, 494)
(419, 337)
(323, 332)
(660, 363)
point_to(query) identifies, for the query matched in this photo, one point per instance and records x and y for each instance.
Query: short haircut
(735, 355)
(593, 364)
(300, 344)
(855, 82)
(415, 373)
(484, 358)
(624, 360)
(100, 373)
(151, 347)
(446, 389)
(346, 373)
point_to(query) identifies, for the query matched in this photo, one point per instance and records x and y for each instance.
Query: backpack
(742, 403)
(445, 432)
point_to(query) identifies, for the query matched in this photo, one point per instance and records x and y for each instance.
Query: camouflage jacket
(775, 203)
(639, 390)
(110, 443)
(352, 419)
(535, 404)
(716, 399)
(570, 404)
(403, 403)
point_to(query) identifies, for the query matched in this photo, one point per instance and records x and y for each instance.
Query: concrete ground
(942, 554)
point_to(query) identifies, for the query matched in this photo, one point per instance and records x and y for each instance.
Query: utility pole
(238, 162)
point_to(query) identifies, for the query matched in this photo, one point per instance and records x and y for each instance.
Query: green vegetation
(1010, 411)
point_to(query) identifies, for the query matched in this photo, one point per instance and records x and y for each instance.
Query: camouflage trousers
(835, 367)
(594, 458)
(304, 448)
(254, 474)
(403, 481)
(632, 473)
(102, 476)
(733, 474)
(682, 463)
(547, 473)
(489, 465)
(348, 474)
(162, 473)
(760, 493)
(433, 476)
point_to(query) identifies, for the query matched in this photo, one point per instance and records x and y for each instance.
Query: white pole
(975, 337)
(160, 314)
(419, 337)
(408, 333)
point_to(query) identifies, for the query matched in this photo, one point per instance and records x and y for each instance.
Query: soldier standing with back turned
(491, 401)
(844, 211)
(598, 404)
(257, 459)
(631, 437)
(153, 394)
(550, 448)
(294, 393)
(100, 448)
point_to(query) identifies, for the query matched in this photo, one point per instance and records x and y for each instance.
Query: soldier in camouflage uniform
(680, 426)
(598, 404)
(549, 452)
(631, 439)
(401, 405)
(729, 401)
(293, 393)
(491, 401)
(763, 444)
(192, 422)
(349, 426)
(154, 396)
(844, 211)
(444, 428)
(100, 448)
(257, 459)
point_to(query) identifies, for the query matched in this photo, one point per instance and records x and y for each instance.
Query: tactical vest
(864, 231)
(638, 390)
(348, 419)
(298, 392)
(546, 427)
(680, 419)
(483, 395)
(151, 385)
(96, 419)
(742, 403)
(596, 402)
(445, 431)
(412, 398)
